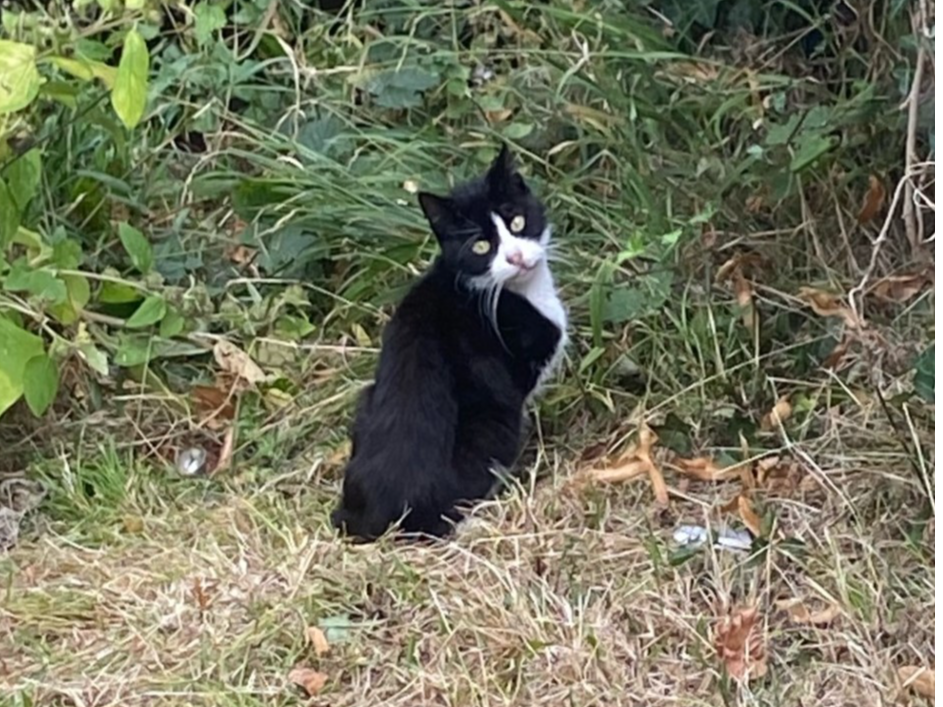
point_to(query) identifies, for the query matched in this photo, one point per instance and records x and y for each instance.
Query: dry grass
(200, 592)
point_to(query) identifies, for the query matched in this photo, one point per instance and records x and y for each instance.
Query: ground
(720, 257)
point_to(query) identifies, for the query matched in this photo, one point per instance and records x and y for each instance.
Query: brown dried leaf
(225, 452)
(635, 462)
(749, 517)
(310, 680)
(498, 116)
(215, 407)
(241, 255)
(318, 641)
(873, 200)
(706, 469)
(799, 613)
(920, 680)
(234, 360)
(647, 440)
(825, 304)
(900, 288)
(740, 644)
(623, 471)
(781, 412)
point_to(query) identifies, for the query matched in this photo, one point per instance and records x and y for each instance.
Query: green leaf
(94, 357)
(40, 383)
(516, 131)
(17, 346)
(151, 311)
(9, 216)
(641, 299)
(87, 69)
(172, 324)
(39, 282)
(811, 147)
(208, 18)
(78, 293)
(23, 177)
(129, 96)
(925, 373)
(19, 77)
(142, 257)
(401, 88)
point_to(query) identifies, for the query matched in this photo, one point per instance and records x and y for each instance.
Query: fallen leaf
(778, 477)
(739, 643)
(705, 469)
(310, 680)
(873, 200)
(498, 116)
(749, 517)
(234, 360)
(799, 613)
(837, 357)
(635, 462)
(241, 255)
(743, 290)
(318, 641)
(781, 412)
(900, 288)
(825, 304)
(225, 452)
(215, 408)
(920, 680)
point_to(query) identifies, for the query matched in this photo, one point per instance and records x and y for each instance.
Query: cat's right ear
(439, 211)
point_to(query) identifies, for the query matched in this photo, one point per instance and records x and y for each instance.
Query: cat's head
(492, 230)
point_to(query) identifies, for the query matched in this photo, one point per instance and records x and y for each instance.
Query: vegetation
(206, 216)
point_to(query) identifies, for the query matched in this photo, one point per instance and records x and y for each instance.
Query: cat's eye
(517, 224)
(481, 247)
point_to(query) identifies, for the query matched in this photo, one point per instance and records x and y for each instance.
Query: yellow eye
(517, 224)
(481, 247)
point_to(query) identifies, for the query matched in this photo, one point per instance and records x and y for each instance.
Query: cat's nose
(516, 259)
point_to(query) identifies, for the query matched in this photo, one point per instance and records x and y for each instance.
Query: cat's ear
(439, 211)
(503, 177)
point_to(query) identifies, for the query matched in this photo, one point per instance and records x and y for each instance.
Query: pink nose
(516, 259)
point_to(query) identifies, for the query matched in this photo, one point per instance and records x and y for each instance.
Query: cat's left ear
(503, 177)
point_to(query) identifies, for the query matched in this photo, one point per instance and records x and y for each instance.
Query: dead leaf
(920, 680)
(234, 360)
(705, 469)
(873, 200)
(241, 255)
(635, 462)
(225, 452)
(781, 412)
(778, 477)
(741, 262)
(310, 680)
(825, 304)
(799, 613)
(498, 116)
(215, 407)
(740, 644)
(318, 641)
(743, 291)
(837, 356)
(900, 288)
(749, 517)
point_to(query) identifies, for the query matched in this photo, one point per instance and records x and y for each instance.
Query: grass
(276, 192)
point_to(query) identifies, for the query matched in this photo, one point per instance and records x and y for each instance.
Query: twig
(914, 235)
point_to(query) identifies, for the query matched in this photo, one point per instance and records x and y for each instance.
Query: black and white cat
(463, 353)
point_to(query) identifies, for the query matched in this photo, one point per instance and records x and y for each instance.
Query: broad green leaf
(172, 324)
(67, 254)
(23, 177)
(401, 88)
(133, 351)
(516, 131)
(19, 77)
(129, 95)
(17, 346)
(151, 311)
(9, 216)
(94, 357)
(40, 383)
(142, 257)
(87, 69)
(811, 147)
(208, 18)
(78, 293)
(118, 293)
(39, 282)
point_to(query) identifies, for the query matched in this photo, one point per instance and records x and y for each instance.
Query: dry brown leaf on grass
(825, 304)
(636, 461)
(311, 681)
(740, 644)
(781, 412)
(873, 200)
(799, 613)
(215, 407)
(234, 360)
(920, 680)
(225, 452)
(318, 641)
(901, 288)
(706, 469)
(743, 507)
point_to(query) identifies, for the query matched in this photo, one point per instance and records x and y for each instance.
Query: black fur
(447, 403)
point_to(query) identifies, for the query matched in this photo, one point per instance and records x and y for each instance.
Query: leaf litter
(741, 645)
(636, 461)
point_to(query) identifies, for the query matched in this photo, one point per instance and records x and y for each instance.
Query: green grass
(130, 584)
